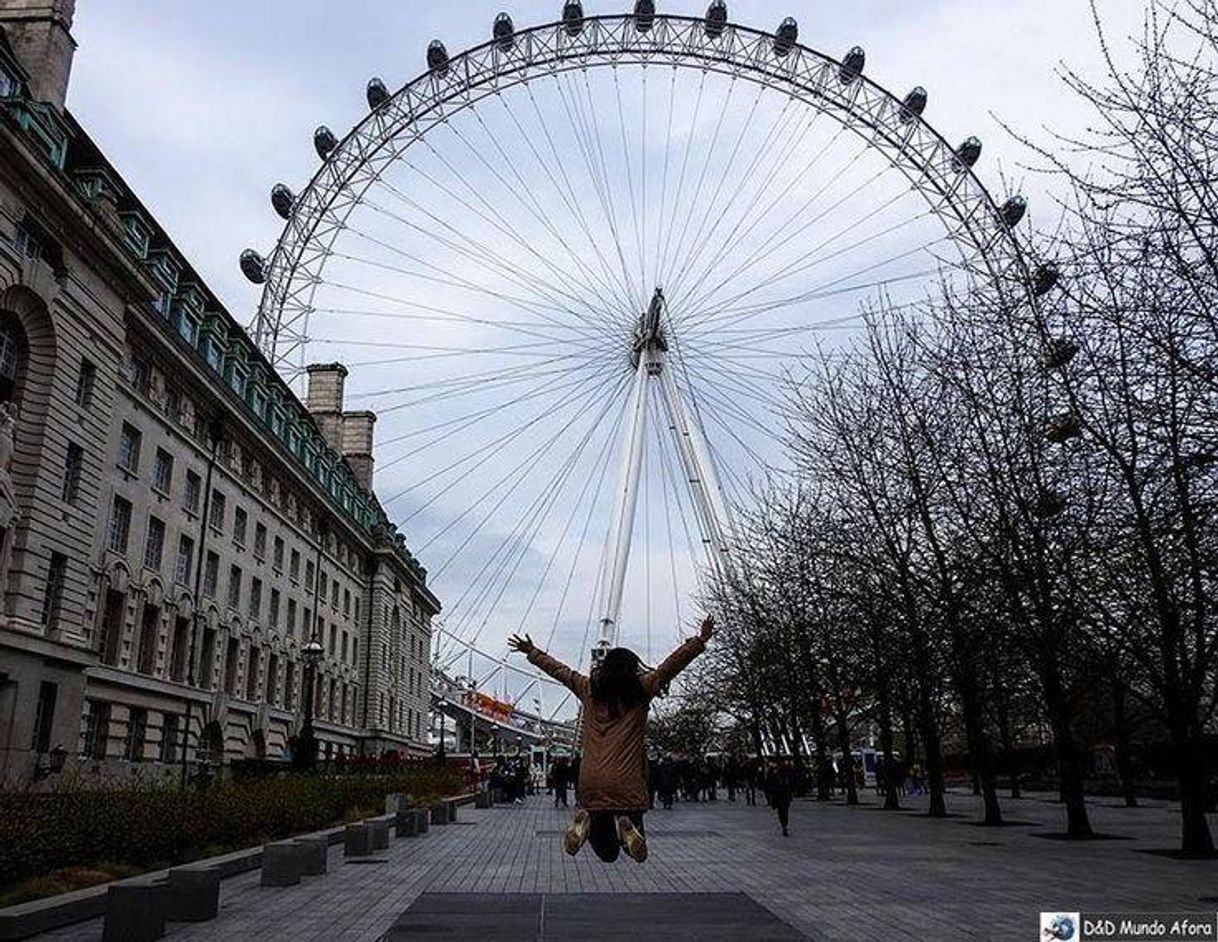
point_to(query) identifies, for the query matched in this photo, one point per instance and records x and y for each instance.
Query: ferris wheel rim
(298, 245)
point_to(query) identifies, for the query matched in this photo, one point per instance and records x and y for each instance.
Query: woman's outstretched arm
(679, 659)
(573, 680)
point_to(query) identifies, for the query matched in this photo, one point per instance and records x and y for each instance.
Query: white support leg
(621, 523)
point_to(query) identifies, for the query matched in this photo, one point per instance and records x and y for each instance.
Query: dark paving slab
(590, 917)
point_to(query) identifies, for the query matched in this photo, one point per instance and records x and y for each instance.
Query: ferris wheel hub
(649, 335)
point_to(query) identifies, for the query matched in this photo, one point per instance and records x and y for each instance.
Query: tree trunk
(1069, 762)
(980, 755)
(892, 801)
(824, 790)
(1195, 837)
(1008, 746)
(1124, 758)
(843, 734)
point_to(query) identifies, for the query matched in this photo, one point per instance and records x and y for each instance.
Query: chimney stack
(324, 400)
(350, 433)
(40, 32)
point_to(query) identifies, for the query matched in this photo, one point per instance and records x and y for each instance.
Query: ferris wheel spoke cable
(523, 328)
(741, 185)
(480, 254)
(694, 203)
(676, 202)
(444, 277)
(567, 193)
(767, 213)
(569, 291)
(601, 465)
(583, 143)
(758, 258)
(634, 212)
(595, 152)
(779, 236)
(712, 205)
(504, 225)
(518, 541)
(463, 423)
(485, 453)
(605, 294)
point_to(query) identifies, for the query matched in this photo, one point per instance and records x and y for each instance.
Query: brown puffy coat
(613, 771)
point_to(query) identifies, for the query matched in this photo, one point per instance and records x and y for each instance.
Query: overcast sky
(204, 106)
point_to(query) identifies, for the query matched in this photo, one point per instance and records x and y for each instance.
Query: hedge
(153, 825)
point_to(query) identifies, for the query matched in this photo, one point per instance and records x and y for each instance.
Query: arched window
(12, 356)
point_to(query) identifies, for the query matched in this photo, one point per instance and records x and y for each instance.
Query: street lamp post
(441, 756)
(304, 759)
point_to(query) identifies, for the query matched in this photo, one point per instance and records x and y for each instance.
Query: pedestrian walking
(781, 789)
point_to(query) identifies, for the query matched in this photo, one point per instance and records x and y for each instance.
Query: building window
(137, 733)
(190, 497)
(344, 646)
(234, 586)
(211, 574)
(97, 730)
(181, 649)
(306, 624)
(71, 473)
(255, 609)
(291, 616)
(289, 684)
(277, 558)
(162, 471)
(309, 573)
(230, 667)
(169, 738)
(53, 593)
(129, 449)
(182, 566)
(241, 522)
(355, 650)
(294, 569)
(321, 587)
(346, 603)
(251, 675)
(86, 379)
(259, 541)
(44, 717)
(173, 404)
(154, 544)
(334, 595)
(272, 679)
(333, 639)
(273, 616)
(207, 659)
(120, 525)
(218, 508)
(150, 626)
(113, 618)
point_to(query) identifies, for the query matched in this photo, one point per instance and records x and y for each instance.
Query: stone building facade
(175, 524)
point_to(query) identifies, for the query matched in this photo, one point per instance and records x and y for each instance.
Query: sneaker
(577, 833)
(634, 842)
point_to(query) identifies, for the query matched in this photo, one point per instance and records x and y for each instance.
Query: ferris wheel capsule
(437, 57)
(786, 37)
(1011, 212)
(282, 201)
(913, 105)
(253, 266)
(644, 15)
(716, 18)
(504, 31)
(852, 66)
(324, 141)
(1044, 279)
(968, 153)
(377, 93)
(573, 17)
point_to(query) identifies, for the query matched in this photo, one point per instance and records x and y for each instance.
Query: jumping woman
(612, 785)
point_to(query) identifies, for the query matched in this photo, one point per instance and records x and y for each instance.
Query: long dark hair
(615, 681)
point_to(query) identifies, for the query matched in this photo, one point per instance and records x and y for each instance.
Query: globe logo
(1059, 927)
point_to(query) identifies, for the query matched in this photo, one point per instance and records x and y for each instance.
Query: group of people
(672, 778)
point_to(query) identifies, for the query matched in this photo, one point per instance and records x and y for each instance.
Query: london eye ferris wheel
(572, 269)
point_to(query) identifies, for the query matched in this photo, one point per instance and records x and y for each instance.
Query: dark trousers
(783, 807)
(602, 834)
(560, 795)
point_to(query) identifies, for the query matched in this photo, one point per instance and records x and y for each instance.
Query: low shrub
(140, 825)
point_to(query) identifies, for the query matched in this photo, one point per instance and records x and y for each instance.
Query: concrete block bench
(135, 912)
(406, 823)
(282, 863)
(439, 813)
(422, 820)
(483, 800)
(357, 840)
(380, 833)
(313, 855)
(192, 894)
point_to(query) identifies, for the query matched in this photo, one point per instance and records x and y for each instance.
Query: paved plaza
(845, 873)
